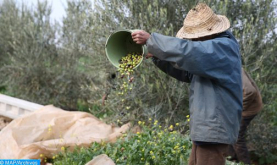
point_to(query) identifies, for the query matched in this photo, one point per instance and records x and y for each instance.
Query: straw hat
(201, 21)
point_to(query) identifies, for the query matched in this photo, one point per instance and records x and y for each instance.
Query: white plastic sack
(48, 130)
(101, 160)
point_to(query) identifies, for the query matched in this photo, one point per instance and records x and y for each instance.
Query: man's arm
(167, 68)
(213, 58)
(249, 91)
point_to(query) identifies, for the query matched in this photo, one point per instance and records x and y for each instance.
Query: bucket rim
(130, 31)
(143, 47)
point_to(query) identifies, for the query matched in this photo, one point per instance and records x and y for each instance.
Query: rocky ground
(4, 121)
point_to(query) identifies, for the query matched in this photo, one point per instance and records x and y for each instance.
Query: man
(207, 56)
(252, 105)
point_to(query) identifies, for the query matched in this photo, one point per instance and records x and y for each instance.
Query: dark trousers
(239, 151)
(208, 154)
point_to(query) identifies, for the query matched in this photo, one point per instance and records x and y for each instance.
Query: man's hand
(149, 55)
(140, 36)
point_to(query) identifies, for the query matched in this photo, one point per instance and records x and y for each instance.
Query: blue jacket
(213, 69)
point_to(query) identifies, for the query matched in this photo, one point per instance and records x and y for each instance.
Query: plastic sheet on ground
(49, 130)
(4, 121)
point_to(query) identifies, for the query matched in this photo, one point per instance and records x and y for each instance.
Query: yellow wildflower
(62, 148)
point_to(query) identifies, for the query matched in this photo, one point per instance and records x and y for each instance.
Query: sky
(58, 7)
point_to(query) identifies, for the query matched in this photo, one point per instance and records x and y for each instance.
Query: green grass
(153, 145)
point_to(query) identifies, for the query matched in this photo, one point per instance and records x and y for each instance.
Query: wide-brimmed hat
(201, 21)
